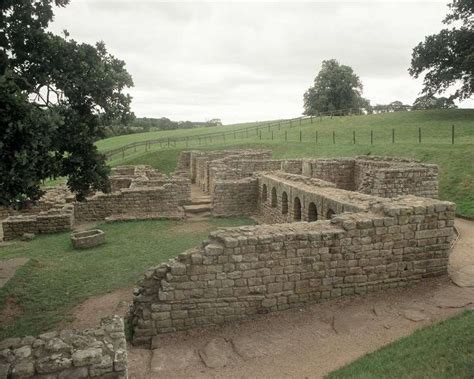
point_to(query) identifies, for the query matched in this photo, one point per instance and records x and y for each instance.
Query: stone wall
(235, 197)
(141, 201)
(52, 221)
(380, 176)
(96, 353)
(289, 198)
(242, 272)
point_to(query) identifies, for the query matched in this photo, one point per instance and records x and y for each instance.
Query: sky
(249, 61)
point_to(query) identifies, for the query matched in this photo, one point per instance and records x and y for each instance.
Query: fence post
(168, 142)
(223, 136)
(135, 148)
(393, 135)
(316, 134)
(123, 153)
(279, 125)
(419, 135)
(452, 135)
(272, 135)
(260, 135)
(301, 135)
(371, 137)
(354, 136)
(286, 135)
(334, 137)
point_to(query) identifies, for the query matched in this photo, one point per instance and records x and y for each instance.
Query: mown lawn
(57, 277)
(445, 350)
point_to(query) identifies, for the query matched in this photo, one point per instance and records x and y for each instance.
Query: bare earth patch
(10, 310)
(89, 313)
(9, 267)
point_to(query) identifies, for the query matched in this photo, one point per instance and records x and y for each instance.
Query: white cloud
(245, 61)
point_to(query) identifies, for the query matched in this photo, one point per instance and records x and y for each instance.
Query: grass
(445, 350)
(456, 161)
(57, 278)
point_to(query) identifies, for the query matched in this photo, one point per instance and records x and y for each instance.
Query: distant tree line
(147, 124)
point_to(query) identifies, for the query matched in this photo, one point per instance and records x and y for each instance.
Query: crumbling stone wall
(95, 353)
(52, 221)
(235, 197)
(165, 200)
(380, 176)
(241, 272)
(289, 198)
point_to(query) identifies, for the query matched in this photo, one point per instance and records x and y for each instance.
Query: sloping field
(424, 135)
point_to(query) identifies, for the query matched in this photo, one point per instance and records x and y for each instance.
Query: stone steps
(201, 200)
(197, 208)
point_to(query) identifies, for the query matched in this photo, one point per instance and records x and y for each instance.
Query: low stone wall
(241, 272)
(96, 353)
(166, 200)
(52, 221)
(379, 176)
(235, 197)
(338, 171)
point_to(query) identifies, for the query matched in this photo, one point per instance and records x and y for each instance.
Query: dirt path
(309, 342)
(461, 260)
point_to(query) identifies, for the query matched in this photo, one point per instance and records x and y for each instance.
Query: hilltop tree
(56, 97)
(336, 87)
(432, 102)
(447, 58)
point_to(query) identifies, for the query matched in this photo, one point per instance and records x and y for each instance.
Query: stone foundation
(96, 353)
(242, 272)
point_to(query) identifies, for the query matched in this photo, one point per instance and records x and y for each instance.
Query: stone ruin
(332, 227)
(138, 192)
(328, 228)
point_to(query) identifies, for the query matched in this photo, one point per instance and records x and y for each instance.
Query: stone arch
(264, 193)
(330, 213)
(297, 209)
(312, 212)
(274, 197)
(284, 203)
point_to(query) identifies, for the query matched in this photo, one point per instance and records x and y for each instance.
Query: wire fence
(287, 130)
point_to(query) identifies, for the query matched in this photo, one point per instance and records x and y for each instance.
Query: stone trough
(87, 239)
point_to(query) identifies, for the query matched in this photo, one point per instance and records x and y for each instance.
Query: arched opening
(264, 192)
(312, 212)
(274, 197)
(330, 213)
(297, 209)
(284, 203)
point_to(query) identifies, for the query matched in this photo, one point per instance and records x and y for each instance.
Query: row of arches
(297, 207)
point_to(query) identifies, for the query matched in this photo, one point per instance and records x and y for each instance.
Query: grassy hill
(395, 134)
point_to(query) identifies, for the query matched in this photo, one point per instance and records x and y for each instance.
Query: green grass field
(57, 277)
(445, 350)
(456, 160)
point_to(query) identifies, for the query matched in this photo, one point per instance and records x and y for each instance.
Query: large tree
(56, 97)
(432, 102)
(335, 88)
(447, 58)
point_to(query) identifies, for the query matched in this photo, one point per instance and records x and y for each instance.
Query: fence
(272, 131)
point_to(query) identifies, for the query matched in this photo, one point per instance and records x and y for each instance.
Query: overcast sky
(247, 61)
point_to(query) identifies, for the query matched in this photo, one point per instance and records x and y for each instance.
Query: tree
(57, 96)
(432, 102)
(335, 88)
(447, 58)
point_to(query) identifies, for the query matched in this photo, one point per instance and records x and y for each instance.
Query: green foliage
(336, 87)
(57, 278)
(445, 350)
(447, 58)
(24, 145)
(58, 96)
(432, 102)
